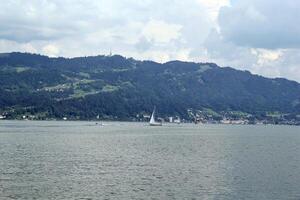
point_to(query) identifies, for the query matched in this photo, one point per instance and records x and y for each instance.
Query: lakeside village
(205, 116)
(208, 116)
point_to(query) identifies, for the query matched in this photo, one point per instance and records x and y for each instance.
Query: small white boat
(152, 120)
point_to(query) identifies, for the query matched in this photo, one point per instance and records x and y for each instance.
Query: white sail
(152, 120)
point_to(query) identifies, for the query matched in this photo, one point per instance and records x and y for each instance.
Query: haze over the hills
(115, 87)
(261, 36)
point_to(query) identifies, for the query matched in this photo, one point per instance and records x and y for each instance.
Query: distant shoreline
(142, 122)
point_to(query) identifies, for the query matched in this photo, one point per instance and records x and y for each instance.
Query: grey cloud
(92, 27)
(143, 44)
(25, 21)
(261, 23)
(228, 54)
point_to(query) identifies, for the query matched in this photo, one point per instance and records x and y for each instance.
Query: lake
(82, 160)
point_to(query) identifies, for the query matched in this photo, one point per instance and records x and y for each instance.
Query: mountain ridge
(115, 87)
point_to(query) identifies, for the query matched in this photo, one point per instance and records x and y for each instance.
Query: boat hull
(155, 124)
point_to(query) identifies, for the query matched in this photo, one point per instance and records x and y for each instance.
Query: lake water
(81, 160)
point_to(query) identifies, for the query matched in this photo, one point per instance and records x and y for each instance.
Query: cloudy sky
(262, 36)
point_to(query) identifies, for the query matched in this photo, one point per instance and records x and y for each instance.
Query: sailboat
(152, 120)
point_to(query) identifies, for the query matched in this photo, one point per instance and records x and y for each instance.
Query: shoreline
(142, 122)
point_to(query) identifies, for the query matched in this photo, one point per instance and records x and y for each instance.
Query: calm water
(79, 160)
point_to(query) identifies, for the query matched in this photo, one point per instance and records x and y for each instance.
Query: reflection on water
(84, 160)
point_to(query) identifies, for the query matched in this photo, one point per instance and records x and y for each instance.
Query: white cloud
(213, 6)
(163, 56)
(160, 31)
(266, 56)
(258, 35)
(51, 50)
(9, 46)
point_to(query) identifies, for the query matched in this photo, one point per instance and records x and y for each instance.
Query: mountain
(115, 87)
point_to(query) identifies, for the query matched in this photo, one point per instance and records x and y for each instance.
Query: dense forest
(118, 88)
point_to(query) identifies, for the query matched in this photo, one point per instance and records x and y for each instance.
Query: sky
(261, 36)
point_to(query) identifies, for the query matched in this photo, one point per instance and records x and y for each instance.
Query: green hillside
(119, 88)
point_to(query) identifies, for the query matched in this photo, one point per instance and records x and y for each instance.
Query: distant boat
(152, 120)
